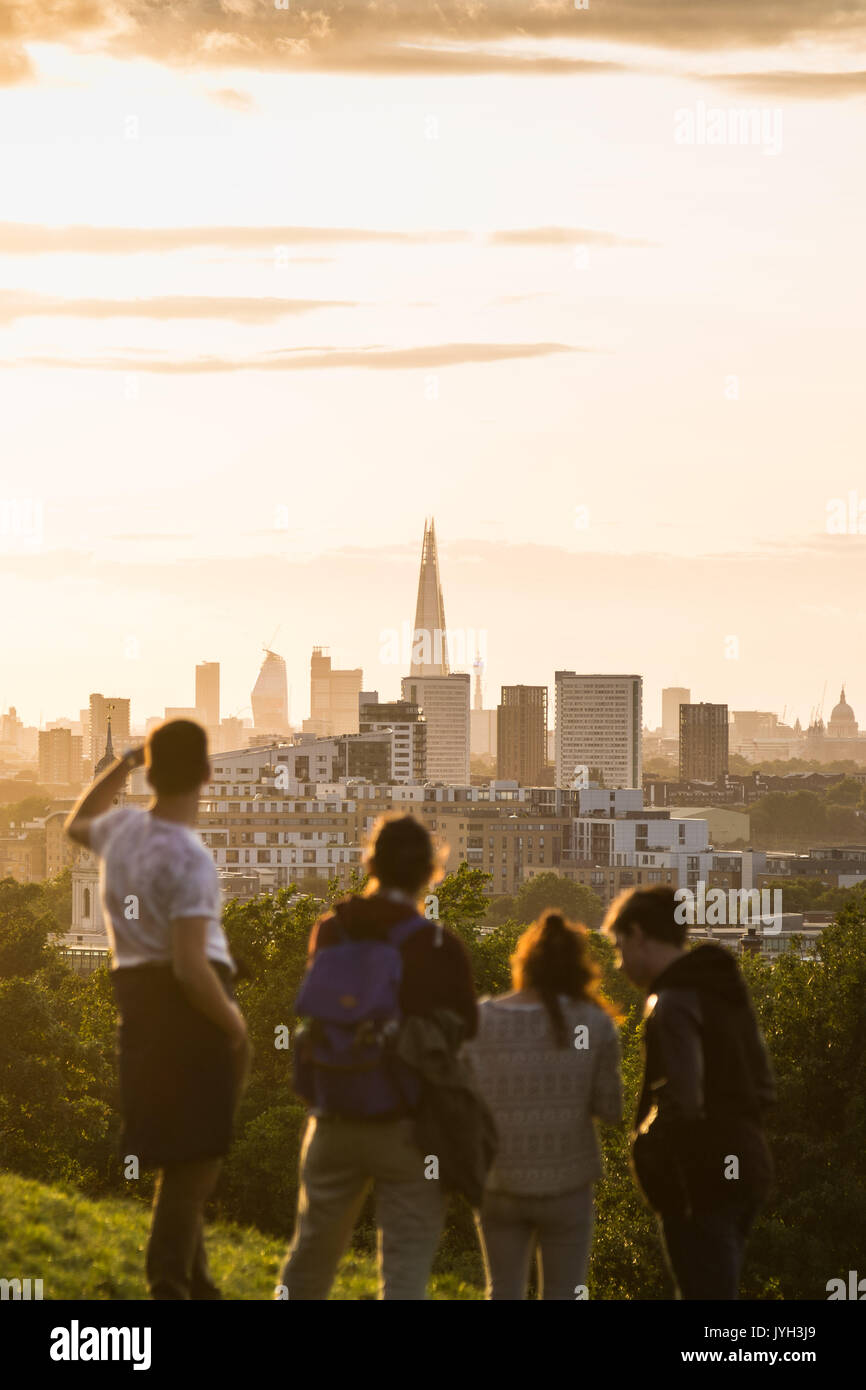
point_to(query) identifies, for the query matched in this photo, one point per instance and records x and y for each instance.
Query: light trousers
(513, 1227)
(340, 1161)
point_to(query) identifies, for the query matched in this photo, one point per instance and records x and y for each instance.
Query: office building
(333, 697)
(430, 640)
(270, 696)
(672, 697)
(207, 693)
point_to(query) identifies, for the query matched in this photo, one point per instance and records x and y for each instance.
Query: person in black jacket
(698, 1150)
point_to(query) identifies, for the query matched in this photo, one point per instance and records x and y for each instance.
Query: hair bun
(554, 922)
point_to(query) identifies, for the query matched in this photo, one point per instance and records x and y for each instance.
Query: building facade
(521, 734)
(599, 720)
(444, 703)
(703, 742)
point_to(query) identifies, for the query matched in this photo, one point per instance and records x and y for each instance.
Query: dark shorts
(176, 1075)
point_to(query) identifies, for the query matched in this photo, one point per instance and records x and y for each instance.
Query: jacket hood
(709, 968)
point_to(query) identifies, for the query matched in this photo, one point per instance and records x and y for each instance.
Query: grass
(85, 1248)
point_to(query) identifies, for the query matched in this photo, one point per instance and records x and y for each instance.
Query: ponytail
(552, 957)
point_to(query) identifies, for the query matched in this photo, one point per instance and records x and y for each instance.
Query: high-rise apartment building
(333, 697)
(207, 693)
(672, 697)
(60, 758)
(444, 704)
(703, 742)
(409, 749)
(103, 708)
(598, 726)
(521, 734)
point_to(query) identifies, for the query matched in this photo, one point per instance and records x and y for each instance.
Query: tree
(574, 900)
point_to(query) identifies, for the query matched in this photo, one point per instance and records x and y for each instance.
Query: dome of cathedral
(843, 713)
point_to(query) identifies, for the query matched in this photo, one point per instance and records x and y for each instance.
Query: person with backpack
(699, 1153)
(546, 1059)
(374, 961)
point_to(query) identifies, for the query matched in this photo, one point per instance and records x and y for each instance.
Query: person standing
(546, 1060)
(699, 1153)
(183, 1050)
(378, 959)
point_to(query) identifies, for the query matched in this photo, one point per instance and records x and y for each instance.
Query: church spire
(108, 756)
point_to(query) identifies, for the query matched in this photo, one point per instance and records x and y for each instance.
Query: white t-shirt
(151, 872)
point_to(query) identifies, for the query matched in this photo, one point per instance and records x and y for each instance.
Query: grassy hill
(94, 1249)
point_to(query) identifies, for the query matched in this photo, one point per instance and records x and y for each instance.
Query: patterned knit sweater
(543, 1097)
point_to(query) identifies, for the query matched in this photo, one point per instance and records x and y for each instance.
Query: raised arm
(100, 795)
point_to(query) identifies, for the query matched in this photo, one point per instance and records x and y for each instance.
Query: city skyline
(622, 362)
(387, 674)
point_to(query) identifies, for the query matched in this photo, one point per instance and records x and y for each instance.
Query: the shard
(429, 641)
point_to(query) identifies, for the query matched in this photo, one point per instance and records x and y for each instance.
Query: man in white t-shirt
(183, 1041)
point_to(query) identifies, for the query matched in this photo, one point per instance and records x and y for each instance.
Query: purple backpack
(349, 1003)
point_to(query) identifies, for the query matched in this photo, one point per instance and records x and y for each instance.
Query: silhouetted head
(552, 958)
(642, 924)
(401, 854)
(176, 757)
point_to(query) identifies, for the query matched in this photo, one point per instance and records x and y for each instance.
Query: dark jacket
(437, 973)
(452, 1123)
(707, 1084)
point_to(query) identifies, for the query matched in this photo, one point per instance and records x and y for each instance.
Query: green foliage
(574, 900)
(59, 1122)
(36, 804)
(24, 926)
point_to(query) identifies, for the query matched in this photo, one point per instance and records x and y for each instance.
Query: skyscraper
(333, 697)
(672, 697)
(598, 725)
(207, 693)
(521, 734)
(429, 641)
(703, 742)
(270, 696)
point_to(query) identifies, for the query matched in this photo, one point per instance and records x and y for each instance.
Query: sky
(275, 285)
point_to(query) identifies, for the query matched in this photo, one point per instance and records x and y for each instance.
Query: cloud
(818, 85)
(235, 100)
(34, 239)
(408, 36)
(562, 236)
(374, 357)
(15, 304)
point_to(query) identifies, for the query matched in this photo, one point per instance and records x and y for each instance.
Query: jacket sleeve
(680, 1096)
(606, 1100)
(667, 1150)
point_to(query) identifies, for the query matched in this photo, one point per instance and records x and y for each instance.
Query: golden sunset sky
(276, 284)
